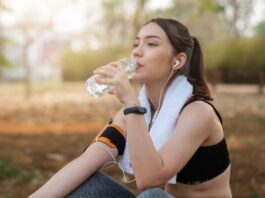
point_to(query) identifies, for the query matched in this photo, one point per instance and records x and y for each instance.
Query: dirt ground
(40, 135)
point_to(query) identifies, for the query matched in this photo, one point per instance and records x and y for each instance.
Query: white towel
(179, 91)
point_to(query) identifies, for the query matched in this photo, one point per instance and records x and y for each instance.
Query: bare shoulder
(198, 108)
(200, 114)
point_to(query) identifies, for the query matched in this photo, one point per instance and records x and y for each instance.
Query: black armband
(113, 136)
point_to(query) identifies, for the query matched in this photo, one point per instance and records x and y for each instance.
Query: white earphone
(176, 64)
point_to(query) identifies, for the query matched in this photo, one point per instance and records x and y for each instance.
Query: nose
(137, 52)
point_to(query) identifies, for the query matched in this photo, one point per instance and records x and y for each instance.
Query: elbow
(154, 177)
(141, 185)
(144, 183)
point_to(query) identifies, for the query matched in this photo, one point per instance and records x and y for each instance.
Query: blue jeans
(100, 185)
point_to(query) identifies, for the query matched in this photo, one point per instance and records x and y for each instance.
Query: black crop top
(207, 162)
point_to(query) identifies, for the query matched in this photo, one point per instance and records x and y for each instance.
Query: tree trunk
(139, 15)
(27, 81)
(261, 82)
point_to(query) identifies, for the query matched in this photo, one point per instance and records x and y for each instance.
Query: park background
(48, 49)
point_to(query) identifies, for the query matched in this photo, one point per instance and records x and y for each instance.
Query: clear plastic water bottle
(97, 90)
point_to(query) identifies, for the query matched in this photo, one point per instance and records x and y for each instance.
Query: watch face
(142, 110)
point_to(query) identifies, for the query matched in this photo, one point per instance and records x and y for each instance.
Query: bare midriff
(216, 187)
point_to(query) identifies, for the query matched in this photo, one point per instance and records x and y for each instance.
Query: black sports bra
(207, 162)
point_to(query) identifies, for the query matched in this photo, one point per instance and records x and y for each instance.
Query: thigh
(100, 185)
(154, 193)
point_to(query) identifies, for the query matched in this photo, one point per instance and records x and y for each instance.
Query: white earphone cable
(160, 98)
(102, 145)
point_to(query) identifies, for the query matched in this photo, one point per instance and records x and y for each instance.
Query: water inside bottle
(130, 66)
(96, 90)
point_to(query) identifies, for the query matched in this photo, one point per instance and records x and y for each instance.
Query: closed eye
(152, 44)
(135, 45)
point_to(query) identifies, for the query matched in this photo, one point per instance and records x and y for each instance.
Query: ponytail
(196, 74)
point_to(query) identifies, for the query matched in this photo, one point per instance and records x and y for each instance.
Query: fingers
(110, 73)
(111, 67)
(107, 81)
(106, 70)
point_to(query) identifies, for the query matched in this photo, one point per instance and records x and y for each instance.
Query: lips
(138, 66)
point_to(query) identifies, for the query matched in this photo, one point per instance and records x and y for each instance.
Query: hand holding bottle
(101, 83)
(115, 76)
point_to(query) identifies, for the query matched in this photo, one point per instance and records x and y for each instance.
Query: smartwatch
(136, 110)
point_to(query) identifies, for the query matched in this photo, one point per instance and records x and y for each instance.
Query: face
(153, 53)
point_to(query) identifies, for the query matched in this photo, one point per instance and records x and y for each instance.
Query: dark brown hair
(183, 42)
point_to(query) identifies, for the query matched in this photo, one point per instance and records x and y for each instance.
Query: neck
(153, 93)
(156, 91)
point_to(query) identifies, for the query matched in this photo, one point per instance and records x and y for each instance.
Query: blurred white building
(44, 56)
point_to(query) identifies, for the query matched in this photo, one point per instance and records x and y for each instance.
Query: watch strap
(136, 110)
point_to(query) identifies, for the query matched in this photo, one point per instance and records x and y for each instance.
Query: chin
(136, 78)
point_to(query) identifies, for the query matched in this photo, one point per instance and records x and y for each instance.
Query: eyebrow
(148, 36)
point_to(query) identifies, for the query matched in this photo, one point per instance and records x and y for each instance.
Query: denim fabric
(100, 185)
(154, 193)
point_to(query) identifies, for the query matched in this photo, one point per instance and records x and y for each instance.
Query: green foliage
(238, 60)
(210, 5)
(8, 168)
(4, 61)
(235, 60)
(260, 29)
(80, 65)
(255, 195)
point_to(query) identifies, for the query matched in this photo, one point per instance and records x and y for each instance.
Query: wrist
(132, 103)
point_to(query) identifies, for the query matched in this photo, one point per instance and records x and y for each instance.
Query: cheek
(161, 56)
(161, 61)
(155, 70)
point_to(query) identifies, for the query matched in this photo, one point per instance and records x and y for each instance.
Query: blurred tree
(236, 15)
(201, 17)
(260, 32)
(121, 20)
(140, 15)
(115, 23)
(3, 60)
(119, 24)
(31, 29)
(212, 18)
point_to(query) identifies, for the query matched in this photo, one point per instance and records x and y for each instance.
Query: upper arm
(111, 136)
(192, 129)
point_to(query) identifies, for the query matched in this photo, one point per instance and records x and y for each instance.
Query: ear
(179, 61)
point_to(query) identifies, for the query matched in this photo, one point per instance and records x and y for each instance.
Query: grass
(8, 168)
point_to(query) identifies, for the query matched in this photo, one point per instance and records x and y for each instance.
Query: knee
(92, 185)
(154, 193)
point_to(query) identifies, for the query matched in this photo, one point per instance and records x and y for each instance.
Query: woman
(168, 135)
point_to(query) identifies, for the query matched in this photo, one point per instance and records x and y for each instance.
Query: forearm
(146, 161)
(74, 173)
